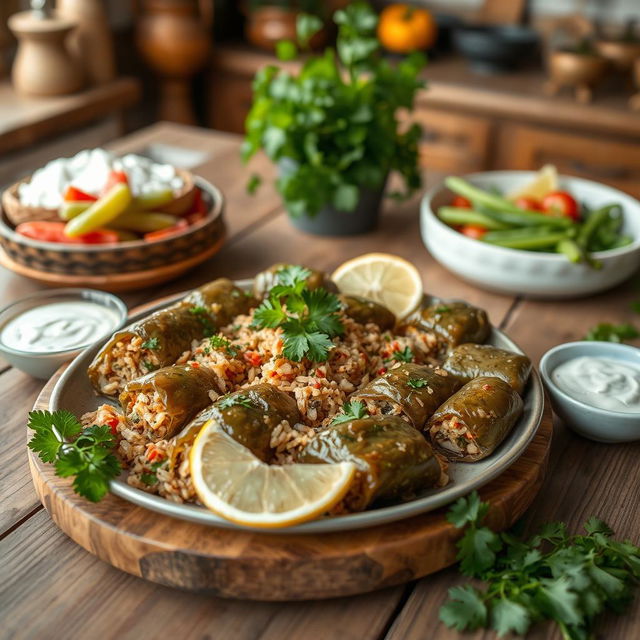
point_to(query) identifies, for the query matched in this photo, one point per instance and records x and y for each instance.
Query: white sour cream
(88, 170)
(58, 326)
(604, 383)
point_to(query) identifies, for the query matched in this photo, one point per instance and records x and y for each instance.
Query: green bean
(501, 209)
(596, 220)
(570, 249)
(526, 238)
(455, 215)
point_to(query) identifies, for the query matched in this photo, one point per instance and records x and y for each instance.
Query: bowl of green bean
(580, 238)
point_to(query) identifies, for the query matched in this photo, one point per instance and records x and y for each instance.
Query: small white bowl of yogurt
(49, 328)
(595, 388)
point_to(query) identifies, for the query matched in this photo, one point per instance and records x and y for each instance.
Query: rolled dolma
(469, 361)
(267, 279)
(394, 461)
(249, 416)
(365, 311)
(164, 401)
(471, 424)
(453, 323)
(412, 390)
(161, 338)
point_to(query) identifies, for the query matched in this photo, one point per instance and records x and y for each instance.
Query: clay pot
(579, 71)
(43, 66)
(268, 25)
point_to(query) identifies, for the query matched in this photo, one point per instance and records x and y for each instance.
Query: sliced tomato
(181, 225)
(531, 204)
(473, 231)
(73, 194)
(461, 203)
(199, 205)
(114, 178)
(561, 203)
(54, 232)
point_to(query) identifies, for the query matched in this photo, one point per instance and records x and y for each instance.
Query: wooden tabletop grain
(51, 588)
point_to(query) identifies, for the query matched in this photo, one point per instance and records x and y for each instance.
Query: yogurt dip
(604, 383)
(59, 326)
(88, 170)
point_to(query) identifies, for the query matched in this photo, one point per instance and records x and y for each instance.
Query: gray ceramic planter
(331, 222)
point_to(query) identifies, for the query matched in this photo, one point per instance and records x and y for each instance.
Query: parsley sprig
(550, 576)
(309, 319)
(607, 332)
(351, 411)
(406, 355)
(151, 343)
(86, 453)
(417, 383)
(220, 342)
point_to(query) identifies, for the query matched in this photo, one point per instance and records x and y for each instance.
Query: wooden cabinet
(613, 162)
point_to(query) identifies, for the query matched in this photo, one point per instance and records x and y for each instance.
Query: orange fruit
(403, 28)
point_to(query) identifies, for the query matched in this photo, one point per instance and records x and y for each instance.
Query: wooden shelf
(24, 121)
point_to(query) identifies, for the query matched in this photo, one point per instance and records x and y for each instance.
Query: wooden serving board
(257, 566)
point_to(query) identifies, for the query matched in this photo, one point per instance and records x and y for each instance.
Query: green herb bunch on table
(333, 129)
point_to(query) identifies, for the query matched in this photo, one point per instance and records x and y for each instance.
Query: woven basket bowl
(16, 212)
(125, 257)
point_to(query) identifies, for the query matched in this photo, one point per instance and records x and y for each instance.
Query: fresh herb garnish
(149, 366)
(442, 309)
(417, 383)
(406, 355)
(238, 400)
(218, 342)
(86, 453)
(607, 332)
(151, 343)
(148, 478)
(351, 411)
(550, 576)
(309, 319)
(204, 318)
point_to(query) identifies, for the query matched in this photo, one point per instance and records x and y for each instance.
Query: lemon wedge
(546, 180)
(237, 486)
(384, 278)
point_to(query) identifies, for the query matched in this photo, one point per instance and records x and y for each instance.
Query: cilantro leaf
(292, 275)
(417, 383)
(467, 509)
(86, 453)
(148, 478)
(559, 602)
(151, 343)
(465, 610)
(509, 616)
(477, 549)
(232, 400)
(607, 332)
(353, 410)
(269, 314)
(318, 346)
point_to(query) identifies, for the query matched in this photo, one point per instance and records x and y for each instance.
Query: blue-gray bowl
(591, 422)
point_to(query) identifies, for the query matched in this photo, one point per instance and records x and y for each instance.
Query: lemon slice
(545, 181)
(381, 277)
(237, 486)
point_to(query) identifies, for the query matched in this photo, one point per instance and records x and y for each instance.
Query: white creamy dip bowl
(43, 364)
(601, 425)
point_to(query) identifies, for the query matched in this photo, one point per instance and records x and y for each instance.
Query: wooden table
(52, 588)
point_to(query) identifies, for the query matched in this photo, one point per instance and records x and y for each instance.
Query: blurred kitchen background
(512, 84)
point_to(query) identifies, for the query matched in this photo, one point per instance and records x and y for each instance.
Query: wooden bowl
(117, 267)
(16, 212)
(620, 54)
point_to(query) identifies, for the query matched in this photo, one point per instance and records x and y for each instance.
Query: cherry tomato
(461, 203)
(532, 204)
(73, 194)
(473, 231)
(114, 178)
(181, 225)
(561, 202)
(199, 205)
(54, 232)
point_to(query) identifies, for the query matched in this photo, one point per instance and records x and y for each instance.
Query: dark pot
(331, 222)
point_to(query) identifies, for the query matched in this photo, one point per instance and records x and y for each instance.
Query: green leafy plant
(239, 400)
(607, 332)
(333, 128)
(83, 452)
(551, 576)
(351, 411)
(308, 319)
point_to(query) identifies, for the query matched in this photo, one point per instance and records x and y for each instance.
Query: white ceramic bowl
(591, 422)
(513, 271)
(44, 364)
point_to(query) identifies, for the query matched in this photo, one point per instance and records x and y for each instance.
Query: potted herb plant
(333, 128)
